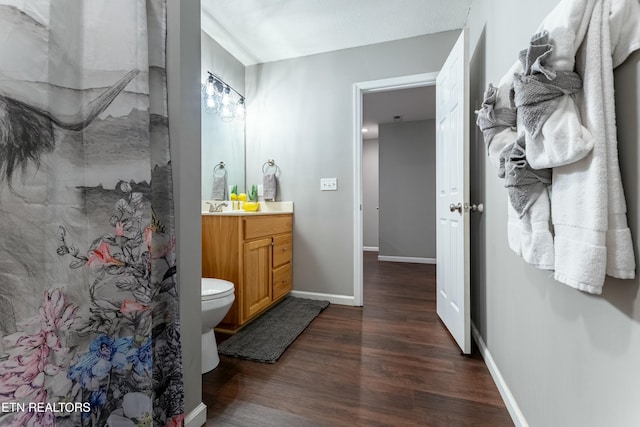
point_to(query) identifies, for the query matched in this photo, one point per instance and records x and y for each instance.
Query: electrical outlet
(328, 184)
(260, 190)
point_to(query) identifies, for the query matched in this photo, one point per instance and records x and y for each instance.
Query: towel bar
(271, 163)
(220, 167)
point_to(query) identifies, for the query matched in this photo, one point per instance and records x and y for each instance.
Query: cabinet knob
(284, 249)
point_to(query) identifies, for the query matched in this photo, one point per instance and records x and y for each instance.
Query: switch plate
(328, 184)
(260, 190)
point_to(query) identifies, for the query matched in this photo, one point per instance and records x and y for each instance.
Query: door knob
(457, 207)
(477, 208)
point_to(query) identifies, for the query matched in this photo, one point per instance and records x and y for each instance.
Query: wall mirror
(222, 141)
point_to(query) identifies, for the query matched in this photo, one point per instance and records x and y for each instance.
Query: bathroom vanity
(253, 250)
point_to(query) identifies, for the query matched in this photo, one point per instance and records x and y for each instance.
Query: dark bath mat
(267, 337)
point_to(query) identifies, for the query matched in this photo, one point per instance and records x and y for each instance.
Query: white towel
(588, 205)
(587, 200)
(562, 141)
(530, 235)
(269, 184)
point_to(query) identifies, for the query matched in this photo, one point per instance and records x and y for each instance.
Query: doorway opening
(359, 89)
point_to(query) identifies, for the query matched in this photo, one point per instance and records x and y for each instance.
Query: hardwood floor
(389, 363)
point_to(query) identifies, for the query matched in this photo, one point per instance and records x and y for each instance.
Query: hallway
(389, 363)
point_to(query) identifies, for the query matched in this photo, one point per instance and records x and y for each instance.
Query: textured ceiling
(258, 31)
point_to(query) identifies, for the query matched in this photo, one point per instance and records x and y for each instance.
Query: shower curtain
(89, 325)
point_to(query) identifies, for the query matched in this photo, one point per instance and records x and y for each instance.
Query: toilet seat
(216, 288)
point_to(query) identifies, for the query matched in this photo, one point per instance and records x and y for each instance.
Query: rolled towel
(524, 184)
(544, 97)
(269, 183)
(218, 190)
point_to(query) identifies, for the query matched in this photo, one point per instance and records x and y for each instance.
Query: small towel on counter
(269, 183)
(219, 188)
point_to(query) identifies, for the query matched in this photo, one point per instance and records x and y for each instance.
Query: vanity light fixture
(218, 97)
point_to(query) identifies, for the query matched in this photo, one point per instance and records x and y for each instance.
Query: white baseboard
(510, 402)
(197, 417)
(406, 259)
(333, 299)
(370, 248)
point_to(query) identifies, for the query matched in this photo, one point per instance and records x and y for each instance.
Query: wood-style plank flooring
(389, 363)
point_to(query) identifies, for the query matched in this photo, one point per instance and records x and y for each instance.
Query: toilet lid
(216, 288)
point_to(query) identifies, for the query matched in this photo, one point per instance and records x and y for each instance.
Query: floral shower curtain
(89, 321)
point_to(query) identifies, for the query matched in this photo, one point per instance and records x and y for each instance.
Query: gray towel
(219, 188)
(491, 120)
(538, 90)
(269, 184)
(523, 183)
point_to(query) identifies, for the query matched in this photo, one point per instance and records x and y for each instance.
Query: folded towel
(577, 138)
(524, 184)
(538, 90)
(544, 96)
(219, 188)
(492, 120)
(588, 205)
(269, 184)
(529, 233)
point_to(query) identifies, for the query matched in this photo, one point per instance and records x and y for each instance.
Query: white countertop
(265, 208)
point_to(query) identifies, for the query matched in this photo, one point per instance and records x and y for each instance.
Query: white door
(452, 184)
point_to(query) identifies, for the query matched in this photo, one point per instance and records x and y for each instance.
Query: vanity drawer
(266, 225)
(282, 249)
(281, 281)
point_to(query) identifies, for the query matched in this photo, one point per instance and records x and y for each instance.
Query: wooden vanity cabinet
(255, 253)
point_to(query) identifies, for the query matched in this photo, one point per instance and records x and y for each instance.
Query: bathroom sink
(263, 208)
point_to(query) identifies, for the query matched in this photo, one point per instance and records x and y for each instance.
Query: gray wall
(408, 189)
(370, 193)
(221, 141)
(570, 359)
(183, 75)
(301, 115)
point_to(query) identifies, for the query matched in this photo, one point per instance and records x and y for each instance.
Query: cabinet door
(257, 277)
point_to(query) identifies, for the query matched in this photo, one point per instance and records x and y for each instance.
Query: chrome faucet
(216, 207)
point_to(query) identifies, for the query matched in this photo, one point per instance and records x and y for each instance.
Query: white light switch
(328, 184)
(260, 190)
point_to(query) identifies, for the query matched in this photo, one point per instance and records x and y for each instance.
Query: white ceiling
(410, 104)
(258, 31)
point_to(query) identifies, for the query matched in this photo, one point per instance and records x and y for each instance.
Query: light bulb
(225, 113)
(209, 104)
(239, 113)
(226, 97)
(210, 88)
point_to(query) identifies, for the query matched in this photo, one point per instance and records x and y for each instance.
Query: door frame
(360, 88)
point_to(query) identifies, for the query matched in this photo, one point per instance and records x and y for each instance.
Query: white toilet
(217, 297)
